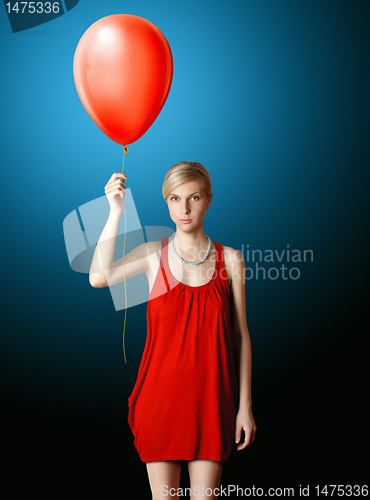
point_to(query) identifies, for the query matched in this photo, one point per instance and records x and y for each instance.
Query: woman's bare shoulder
(154, 253)
(233, 261)
(154, 247)
(231, 255)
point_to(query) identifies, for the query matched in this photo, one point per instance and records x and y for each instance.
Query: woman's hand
(245, 420)
(115, 191)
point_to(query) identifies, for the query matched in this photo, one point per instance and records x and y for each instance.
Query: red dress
(184, 402)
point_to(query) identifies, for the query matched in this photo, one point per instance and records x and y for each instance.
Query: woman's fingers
(118, 184)
(115, 191)
(245, 443)
(117, 174)
(249, 435)
(111, 187)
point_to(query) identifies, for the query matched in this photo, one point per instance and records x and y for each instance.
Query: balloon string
(125, 150)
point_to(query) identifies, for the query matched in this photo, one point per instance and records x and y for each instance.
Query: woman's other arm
(243, 351)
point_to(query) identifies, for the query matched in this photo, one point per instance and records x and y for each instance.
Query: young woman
(192, 396)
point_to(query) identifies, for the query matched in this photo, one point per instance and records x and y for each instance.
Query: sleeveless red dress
(184, 402)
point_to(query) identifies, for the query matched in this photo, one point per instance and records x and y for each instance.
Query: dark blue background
(272, 97)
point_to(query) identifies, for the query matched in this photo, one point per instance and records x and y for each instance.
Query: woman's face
(188, 201)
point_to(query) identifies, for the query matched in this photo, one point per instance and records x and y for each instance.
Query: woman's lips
(186, 221)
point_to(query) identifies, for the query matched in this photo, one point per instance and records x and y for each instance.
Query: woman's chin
(186, 227)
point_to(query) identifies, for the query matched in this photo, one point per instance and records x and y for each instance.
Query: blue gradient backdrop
(273, 98)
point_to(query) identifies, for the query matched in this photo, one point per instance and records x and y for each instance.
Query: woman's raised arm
(103, 271)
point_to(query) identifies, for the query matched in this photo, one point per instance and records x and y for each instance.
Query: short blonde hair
(183, 172)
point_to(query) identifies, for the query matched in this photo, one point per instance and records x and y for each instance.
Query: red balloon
(123, 69)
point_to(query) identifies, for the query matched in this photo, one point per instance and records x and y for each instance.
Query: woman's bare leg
(164, 474)
(204, 474)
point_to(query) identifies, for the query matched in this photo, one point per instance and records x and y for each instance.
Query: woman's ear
(209, 201)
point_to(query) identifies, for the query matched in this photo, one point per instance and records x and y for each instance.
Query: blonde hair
(183, 172)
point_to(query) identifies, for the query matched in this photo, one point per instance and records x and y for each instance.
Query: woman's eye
(175, 197)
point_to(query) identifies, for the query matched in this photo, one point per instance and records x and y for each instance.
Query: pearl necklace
(186, 261)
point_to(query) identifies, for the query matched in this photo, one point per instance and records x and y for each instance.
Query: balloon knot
(125, 148)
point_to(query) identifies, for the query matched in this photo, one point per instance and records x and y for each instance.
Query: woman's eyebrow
(173, 194)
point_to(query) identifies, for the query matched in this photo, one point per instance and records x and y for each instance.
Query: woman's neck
(190, 244)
